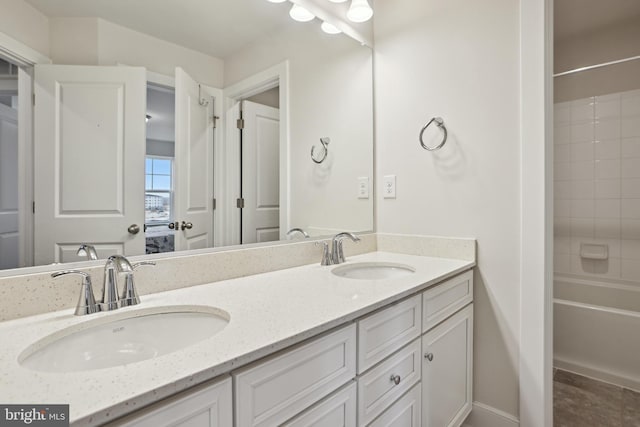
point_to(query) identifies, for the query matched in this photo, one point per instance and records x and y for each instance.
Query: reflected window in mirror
(158, 191)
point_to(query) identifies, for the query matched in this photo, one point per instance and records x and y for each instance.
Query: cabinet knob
(429, 356)
(395, 379)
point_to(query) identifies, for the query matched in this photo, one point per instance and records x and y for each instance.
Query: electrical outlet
(363, 187)
(389, 186)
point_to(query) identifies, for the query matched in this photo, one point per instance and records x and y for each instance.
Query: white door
(260, 173)
(193, 164)
(89, 147)
(447, 371)
(9, 235)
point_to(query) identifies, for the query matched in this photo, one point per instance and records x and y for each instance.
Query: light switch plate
(389, 186)
(363, 187)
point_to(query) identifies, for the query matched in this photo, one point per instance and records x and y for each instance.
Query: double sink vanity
(384, 339)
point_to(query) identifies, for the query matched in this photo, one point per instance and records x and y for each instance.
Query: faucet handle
(326, 256)
(86, 302)
(129, 295)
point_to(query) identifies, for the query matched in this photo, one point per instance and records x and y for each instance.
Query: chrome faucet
(88, 251)
(86, 302)
(297, 230)
(110, 299)
(336, 255)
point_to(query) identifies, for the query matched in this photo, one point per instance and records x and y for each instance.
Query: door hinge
(214, 204)
(215, 121)
(240, 203)
(33, 207)
(240, 123)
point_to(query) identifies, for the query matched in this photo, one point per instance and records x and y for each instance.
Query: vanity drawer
(384, 332)
(444, 299)
(205, 406)
(338, 410)
(406, 412)
(275, 390)
(377, 389)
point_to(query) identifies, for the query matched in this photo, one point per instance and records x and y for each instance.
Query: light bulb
(276, 1)
(360, 11)
(301, 14)
(330, 28)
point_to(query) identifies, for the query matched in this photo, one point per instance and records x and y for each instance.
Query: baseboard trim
(597, 374)
(486, 416)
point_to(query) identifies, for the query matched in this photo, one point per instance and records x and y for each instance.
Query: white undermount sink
(374, 271)
(123, 338)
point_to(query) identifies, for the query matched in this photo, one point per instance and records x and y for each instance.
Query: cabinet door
(447, 371)
(210, 406)
(404, 413)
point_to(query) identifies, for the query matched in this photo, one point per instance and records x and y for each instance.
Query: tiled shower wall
(597, 184)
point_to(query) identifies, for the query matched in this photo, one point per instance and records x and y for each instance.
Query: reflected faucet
(297, 230)
(88, 251)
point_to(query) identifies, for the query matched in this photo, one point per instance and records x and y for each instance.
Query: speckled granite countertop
(269, 312)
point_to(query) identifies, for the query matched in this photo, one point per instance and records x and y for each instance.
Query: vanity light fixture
(300, 14)
(330, 28)
(359, 11)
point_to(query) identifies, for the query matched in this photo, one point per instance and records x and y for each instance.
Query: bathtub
(597, 329)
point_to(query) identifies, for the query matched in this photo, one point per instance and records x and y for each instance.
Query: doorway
(596, 299)
(159, 170)
(9, 167)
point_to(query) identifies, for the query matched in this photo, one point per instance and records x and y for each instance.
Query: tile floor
(583, 402)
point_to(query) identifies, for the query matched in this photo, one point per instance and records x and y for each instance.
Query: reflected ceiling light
(301, 14)
(277, 1)
(330, 28)
(359, 11)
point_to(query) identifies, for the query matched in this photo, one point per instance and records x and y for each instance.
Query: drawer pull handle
(429, 357)
(396, 379)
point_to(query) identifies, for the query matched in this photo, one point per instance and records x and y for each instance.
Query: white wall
(458, 59)
(21, 21)
(93, 41)
(330, 95)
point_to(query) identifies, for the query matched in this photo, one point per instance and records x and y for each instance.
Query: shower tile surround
(36, 293)
(597, 184)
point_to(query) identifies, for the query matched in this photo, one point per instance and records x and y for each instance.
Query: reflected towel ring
(438, 121)
(324, 141)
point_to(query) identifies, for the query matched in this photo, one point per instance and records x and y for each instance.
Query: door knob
(186, 226)
(133, 229)
(429, 356)
(174, 225)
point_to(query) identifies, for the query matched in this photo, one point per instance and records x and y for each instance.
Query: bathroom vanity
(310, 345)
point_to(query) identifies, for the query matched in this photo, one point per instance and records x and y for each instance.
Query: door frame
(276, 76)
(25, 58)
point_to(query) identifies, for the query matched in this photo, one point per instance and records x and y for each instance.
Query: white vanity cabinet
(447, 350)
(203, 406)
(408, 364)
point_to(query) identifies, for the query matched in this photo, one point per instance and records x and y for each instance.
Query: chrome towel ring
(325, 150)
(438, 121)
